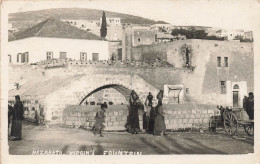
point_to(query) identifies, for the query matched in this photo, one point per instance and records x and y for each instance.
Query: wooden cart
(231, 119)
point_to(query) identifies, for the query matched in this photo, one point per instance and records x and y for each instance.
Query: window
(49, 55)
(187, 91)
(63, 55)
(219, 61)
(223, 87)
(83, 56)
(119, 52)
(25, 57)
(139, 39)
(10, 58)
(226, 61)
(19, 56)
(236, 87)
(95, 57)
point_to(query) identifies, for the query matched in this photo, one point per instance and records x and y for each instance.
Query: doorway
(235, 99)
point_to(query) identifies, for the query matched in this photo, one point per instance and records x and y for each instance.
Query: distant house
(12, 28)
(229, 34)
(143, 37)
(248, 35)
(161, 27)
(112, 21)
(164, 37)
(55, 39)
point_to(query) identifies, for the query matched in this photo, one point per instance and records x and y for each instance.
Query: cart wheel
(249, 129)
(230, 123)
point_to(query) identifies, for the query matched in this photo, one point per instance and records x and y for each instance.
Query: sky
(230, 14)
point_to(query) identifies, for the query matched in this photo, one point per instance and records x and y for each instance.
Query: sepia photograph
(109, 78)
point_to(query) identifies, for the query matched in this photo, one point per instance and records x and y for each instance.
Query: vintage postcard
(130, 81)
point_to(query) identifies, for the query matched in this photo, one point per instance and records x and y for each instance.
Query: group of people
(155, 124)
(15, 117)
(248, 105)
(154, 115)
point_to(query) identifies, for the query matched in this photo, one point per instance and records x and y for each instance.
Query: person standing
(133, 113)
(100, 119)
(42, 114)
(10, 114)
(150, 113)
(245, 104)
(250, 106)
(16, 130)
(159, 123)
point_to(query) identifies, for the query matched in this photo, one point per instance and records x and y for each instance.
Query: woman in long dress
(133, 113)
(159, 123)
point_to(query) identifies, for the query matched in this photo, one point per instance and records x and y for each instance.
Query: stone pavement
(71, 140)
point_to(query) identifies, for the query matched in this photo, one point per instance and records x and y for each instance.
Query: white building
(161, 26)
(12, 28)
(55, 39)
(229, 34)
(112, 21)
(88, 25)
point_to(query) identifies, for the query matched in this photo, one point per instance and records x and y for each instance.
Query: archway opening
(112, 94)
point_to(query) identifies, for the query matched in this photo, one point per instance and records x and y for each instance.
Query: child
(100, 119)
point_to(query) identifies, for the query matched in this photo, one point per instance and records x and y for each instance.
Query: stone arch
(124, 89)
(236, 86)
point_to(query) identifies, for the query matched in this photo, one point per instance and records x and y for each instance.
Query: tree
(193, 33)
(103, 30)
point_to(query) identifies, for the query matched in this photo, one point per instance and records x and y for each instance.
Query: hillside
(24, 20)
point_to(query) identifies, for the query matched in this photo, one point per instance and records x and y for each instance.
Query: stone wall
(84, 116)
(188, 116)
(177, 116)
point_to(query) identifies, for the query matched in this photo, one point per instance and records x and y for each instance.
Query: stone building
(229, 34)
(55, 39)
(161, 27)
(223, 70)
(248, 35)
(164, 37)
(143, 37)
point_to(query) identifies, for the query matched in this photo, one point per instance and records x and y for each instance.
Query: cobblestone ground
(69, 140)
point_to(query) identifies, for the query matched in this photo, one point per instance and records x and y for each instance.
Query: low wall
(177, 116)
(190, 116)
(84, 116)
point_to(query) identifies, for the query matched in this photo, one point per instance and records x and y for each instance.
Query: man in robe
(16, 130)
(250, 106)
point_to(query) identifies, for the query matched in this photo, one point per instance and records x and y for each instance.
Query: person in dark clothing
(245, 99)
(16, 130)
(250, 106)
(133, 113)
(245, 104)
(151, 120)
(100, 119)
(150, 99)
(150, 113)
